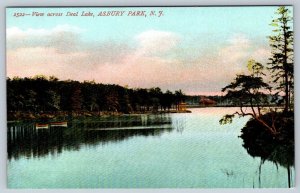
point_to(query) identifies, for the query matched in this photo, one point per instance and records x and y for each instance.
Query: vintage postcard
(150, 97)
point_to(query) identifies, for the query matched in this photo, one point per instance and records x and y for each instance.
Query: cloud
(240, 40)
(261, 54)
(209, 71)
(61, 52)
(63, 38)
(27, 62)
(17, 33)
(151, 58)
(156, 42)
(231, 58)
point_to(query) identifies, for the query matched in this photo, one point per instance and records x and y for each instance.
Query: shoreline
(64, 115)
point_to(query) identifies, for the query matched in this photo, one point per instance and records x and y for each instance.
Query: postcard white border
(45, 3)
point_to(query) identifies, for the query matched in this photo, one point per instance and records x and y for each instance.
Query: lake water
(188, 150)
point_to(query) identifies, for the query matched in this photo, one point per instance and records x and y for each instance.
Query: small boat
(41, 126)
(59, 124)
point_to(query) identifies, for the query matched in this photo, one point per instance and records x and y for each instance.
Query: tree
(255, 68)
(89, 94)
(49, 94)
(52, 100)
(167, 99)
(179, 97)
(155, 98)
(124, 101)
(76, 99)
(250, 90)
(111, 101)
(281, 62)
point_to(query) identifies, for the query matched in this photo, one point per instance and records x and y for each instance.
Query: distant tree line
(42, 94)
(225, 101)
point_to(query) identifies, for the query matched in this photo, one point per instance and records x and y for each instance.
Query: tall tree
(76, 98)
(179, 97)
(281, 62)
(250, 90)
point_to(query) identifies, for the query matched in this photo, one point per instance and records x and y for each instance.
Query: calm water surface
(138, 151)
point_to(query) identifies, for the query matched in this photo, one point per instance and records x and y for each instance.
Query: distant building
(204, 101)
(182, 106)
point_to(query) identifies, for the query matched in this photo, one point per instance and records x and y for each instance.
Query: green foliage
(247, 90)
(226, 119)
(42, 94)
(259, 142)
(255, 68)
(251, 89)
(281, 64)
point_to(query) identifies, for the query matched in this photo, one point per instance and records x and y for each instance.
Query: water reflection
(279, 150)
(41, 139)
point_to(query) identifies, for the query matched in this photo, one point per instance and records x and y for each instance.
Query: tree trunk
(286, 77)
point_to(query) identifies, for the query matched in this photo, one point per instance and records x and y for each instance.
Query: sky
(196, 49)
